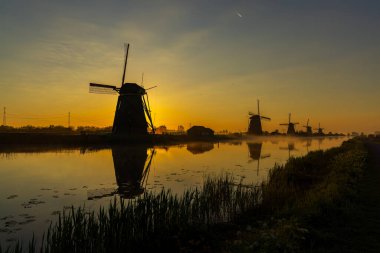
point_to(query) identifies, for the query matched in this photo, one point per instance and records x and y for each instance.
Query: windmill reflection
(255, 153)
(132, 166)
(290, 147)
(199, 147)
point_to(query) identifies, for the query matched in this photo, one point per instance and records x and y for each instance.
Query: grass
(280, 215)
(302, 199)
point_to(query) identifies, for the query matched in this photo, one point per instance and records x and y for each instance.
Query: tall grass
(144, 222)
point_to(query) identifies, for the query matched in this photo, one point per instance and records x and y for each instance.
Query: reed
(151, 218)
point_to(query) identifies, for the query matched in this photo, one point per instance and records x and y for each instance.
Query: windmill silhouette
(319, 129)
(308, 128)
(132, 105)
(291, 129)
(254, 126)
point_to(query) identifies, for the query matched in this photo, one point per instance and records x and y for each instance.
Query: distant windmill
(308, 128)
(291, 129)
(319, 129)
(132, 105)
(254, 126)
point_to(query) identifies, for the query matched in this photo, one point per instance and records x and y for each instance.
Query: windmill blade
(147, 111)
(284, 124)
(103, 89)
(103, 85)
(146, 171)
(296, 123)
(100, 193)
(263, 117)
(125, 62)
(151, 87)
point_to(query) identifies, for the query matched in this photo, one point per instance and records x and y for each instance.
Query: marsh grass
(295, 197)
(303, 197)
(151, 219)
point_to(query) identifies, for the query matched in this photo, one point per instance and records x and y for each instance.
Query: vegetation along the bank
(290, 212)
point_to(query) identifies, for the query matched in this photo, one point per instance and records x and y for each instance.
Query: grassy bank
(304, 201)
(282, 215)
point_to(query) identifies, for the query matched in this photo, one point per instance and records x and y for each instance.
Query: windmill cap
(134, 88)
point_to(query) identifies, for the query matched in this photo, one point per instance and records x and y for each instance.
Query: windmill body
(132, 108)
(320, 130)
(291, 126)
(254, 126)
(309, 130)
(129, 114)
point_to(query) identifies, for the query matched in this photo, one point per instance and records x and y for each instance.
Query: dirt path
(362, 231)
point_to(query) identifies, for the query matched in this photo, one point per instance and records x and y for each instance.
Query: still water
(37, 184)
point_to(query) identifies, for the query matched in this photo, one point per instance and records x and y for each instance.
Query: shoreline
(78, 140)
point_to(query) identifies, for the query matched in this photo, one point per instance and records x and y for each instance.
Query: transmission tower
(5, 117)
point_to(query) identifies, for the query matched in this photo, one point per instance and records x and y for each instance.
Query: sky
(211, 61)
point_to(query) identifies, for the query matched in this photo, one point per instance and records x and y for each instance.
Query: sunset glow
(211, 61)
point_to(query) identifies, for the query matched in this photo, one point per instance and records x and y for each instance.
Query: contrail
(238, 13)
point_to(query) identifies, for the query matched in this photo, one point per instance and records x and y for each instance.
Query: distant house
(197, 131)
(161, 130)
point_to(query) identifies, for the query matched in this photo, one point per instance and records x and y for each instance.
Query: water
(37, 184)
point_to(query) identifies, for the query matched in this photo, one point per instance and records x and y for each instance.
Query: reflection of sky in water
(34, 187)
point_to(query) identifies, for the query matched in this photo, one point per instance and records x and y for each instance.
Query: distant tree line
(55, 129)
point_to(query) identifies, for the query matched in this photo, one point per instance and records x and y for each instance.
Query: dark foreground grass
(282, 215)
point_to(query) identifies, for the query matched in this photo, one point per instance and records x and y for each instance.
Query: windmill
(132, 107)
(319, 129)
(291, 129)
(308, 128)
(254, 126)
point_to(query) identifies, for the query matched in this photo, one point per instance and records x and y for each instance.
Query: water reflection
(255, 153)
(199, 147)
(55, 178)
(132, 165)
(290, 147)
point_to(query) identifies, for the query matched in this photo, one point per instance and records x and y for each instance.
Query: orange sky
(211, 61)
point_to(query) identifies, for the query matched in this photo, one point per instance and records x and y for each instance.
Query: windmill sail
(103, 89)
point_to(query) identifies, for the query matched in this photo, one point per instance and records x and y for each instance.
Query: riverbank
(69, 140)
(225, 215)
(357, 229)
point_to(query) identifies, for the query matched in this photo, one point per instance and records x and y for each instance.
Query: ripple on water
(27, 221)
(32, 202)
(12, 196)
